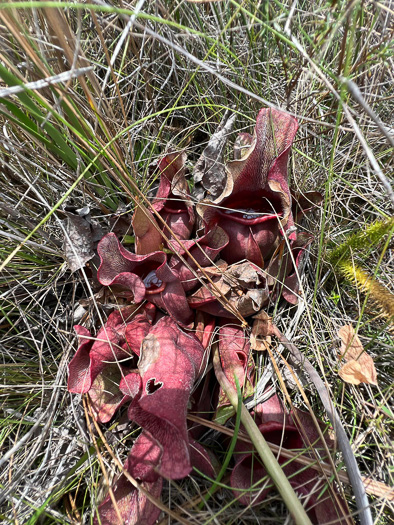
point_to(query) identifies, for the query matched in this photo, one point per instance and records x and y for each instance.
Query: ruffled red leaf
(116, 341)
(129, 273)
(78, 368)
(204, 326)
(169, 364)
(135, 333)
(251, 237)
(142, 277)
(133, 505)
(255, 206)
(203, 250)
(83, 369)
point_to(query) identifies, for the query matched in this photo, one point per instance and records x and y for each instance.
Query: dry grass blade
(45, 82)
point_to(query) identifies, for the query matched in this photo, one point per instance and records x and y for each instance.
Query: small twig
(44, 82)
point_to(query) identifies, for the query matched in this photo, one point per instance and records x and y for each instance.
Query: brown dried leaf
(260, 338)
(353, 373)
(82, 238)
(359, 367)
(210, 173)
(243, 285)
(351, 347)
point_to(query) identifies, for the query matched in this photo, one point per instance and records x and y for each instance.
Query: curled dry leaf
(243, 285)
(359, 367)
(210, 174)
(81, 238)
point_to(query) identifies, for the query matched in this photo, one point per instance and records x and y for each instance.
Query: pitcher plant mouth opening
(175, 206)
(247, 216)
(152, 283)
(252, 205)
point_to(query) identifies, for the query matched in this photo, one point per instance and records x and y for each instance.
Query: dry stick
(270, 462)
(45, 82)
(343, 442)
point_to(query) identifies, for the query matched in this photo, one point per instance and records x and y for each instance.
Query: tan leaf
(359, 366)
(353, 373)
(209, 174)
(243, 285)
(351, 347)
(81, 239)
(260, 338)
